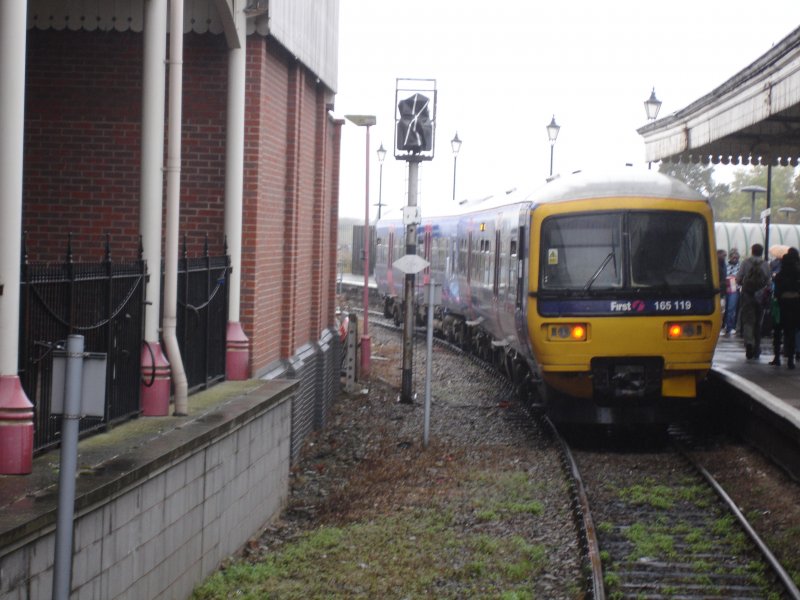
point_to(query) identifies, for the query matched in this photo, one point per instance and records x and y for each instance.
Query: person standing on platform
(753, 277)
(731, 292)
(722, 259)
(787, 290)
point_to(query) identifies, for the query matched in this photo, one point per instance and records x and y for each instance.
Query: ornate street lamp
(552, 134)
(652, 105)
(381, 152)
(455, 144)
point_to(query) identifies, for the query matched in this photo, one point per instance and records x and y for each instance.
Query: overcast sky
(504, 68)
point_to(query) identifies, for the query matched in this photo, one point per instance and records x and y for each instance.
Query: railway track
(654, 524)
(665, 529)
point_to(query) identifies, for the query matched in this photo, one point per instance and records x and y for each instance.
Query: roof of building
(752, 118)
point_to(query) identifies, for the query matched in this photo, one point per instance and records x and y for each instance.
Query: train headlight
(566, 332)
(687, 330)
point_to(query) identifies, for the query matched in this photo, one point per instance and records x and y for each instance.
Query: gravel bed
(370, 461)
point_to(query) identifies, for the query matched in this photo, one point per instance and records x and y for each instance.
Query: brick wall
(83, 138)
(264, 197)
(82, 142)
(82, 155)
(288, 206)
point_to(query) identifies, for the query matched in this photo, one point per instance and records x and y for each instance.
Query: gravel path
(370, 462)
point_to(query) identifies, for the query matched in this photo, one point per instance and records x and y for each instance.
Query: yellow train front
(623, 309)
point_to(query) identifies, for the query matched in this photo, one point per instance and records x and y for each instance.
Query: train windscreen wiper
(599, 270)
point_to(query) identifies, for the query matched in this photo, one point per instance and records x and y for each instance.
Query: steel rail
(773, 562)
(585, 513)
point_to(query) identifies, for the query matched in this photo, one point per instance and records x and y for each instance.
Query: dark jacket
(787, 280)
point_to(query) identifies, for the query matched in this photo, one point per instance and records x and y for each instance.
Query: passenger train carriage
(598, 295)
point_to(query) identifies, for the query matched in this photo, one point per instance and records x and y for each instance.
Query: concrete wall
(189, 500)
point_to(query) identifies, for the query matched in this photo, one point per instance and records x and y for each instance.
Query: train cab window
(664, 250)
(582, 252)
(668, 250)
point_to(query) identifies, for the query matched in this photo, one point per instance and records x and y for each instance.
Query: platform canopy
(753, 118)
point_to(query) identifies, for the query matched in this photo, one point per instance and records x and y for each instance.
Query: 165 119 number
(664, 305)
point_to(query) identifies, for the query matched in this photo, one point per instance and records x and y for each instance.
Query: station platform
(763, 399)
(776, 388)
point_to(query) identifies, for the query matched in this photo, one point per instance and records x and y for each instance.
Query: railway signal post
(415, 120)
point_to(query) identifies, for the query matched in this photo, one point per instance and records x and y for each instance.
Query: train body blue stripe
(626, 307)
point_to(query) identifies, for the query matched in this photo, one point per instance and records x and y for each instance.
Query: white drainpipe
(237, 356)
(173, 169)
(16, 411)
(12, 121)
(234, 162)
(152, 180)
(155, 386)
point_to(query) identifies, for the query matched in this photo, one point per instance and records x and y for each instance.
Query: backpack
(755, 279)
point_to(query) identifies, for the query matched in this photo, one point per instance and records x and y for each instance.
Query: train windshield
(617, 250)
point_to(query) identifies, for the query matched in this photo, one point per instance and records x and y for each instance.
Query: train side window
(469, 257)
(518, 279)
(498, 269)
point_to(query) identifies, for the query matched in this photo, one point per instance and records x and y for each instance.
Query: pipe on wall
(16, 411)
(237, 355)
(173, 169)
(152, 179)
(154, 396)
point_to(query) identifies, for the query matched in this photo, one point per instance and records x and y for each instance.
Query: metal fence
(104, 302)
(203, 316)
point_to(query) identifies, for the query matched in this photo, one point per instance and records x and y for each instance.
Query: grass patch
(497, 496)
(649, 542)
(662, 496)
(412, 552)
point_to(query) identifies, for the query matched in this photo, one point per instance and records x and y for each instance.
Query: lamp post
(651, 106)
(381, 152)
(365, 121)
(552, 134)
(455, 144)
(753, 189)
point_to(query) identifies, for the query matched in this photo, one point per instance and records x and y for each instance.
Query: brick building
(257, 166)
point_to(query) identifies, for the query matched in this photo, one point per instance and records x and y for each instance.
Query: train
(598, 294)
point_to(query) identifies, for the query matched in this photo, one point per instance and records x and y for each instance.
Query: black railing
(104, 302)
(202, 316)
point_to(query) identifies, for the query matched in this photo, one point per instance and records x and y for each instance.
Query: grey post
(406, 394)
(62, 569)
(429, 365)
